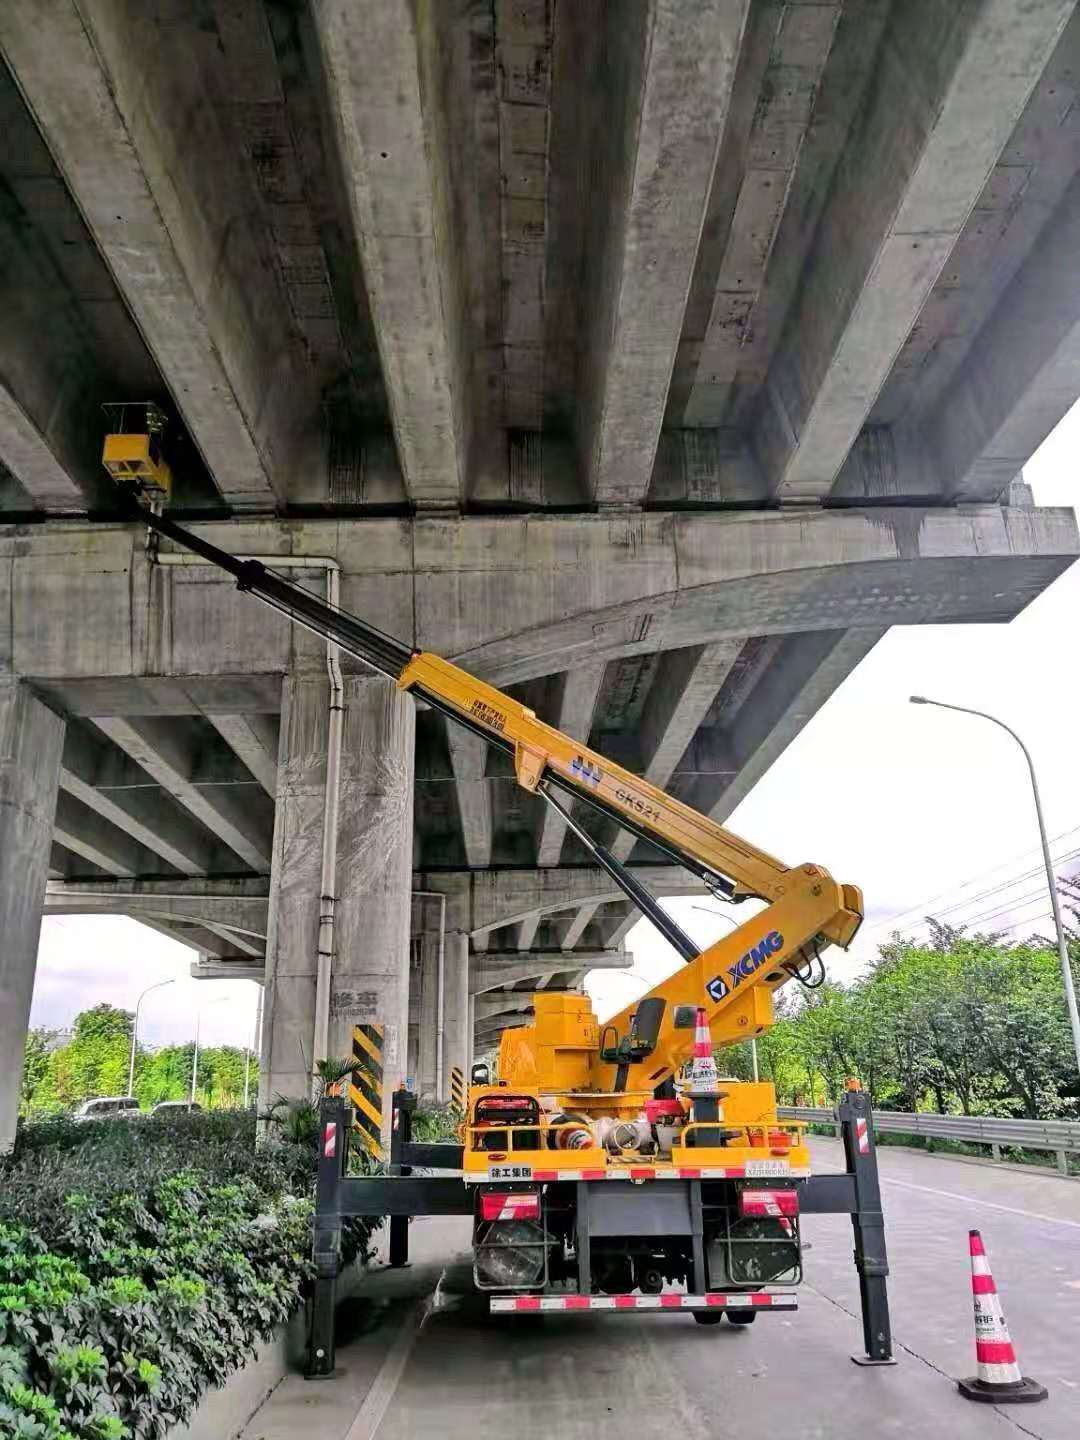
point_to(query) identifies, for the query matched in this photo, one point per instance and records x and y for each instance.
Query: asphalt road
(415, 1363)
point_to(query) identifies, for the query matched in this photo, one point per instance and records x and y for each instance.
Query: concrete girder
(106, 781)
(32, 459)
(486, 1007)
(805, 672)
(238, 822)
(254, 738)
(209, 967)
(240, 922)
(685, 685)
(527, 931)
(495, 971)
(579, 924)
(482, 592)
(623, 928)
(137, 141)
(1017, 380)
(85, 832)
(946, 98)
(393, 139)
(657, 151)
(581, 686)
(213, 892)
(785, 49)
(507, 898)
(46, 390)
(468, 756)
(195, 937)
(1023, 372)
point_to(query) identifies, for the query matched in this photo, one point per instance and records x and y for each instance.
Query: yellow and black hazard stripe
(366, 1087)
(457, 1087)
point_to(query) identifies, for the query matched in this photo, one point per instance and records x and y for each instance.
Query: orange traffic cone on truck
(998, 1380)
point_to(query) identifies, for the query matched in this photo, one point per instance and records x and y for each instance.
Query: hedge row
(140, 1263)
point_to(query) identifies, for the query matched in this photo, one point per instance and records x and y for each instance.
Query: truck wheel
(708, 1317)
(741, 1317)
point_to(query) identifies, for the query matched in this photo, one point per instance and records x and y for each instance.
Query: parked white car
(107, 1107)
(171, 1107)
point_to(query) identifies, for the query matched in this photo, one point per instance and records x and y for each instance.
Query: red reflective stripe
(330, 1140)
(545, 1174)
(641, 1174)
(737, 1173)
(983, 1285)
(715, 1299)
(760, 1299)
(671, 1302)
(975, 1243)
(527, 1302)
(625, 1302)
(995, 1352)
(689, 1174)
(593, 1174)
(577, 1302)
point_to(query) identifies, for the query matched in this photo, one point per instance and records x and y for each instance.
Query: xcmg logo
(745, 966)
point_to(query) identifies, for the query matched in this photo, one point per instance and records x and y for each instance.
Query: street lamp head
(919, 700)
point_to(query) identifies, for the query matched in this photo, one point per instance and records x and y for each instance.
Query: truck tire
(741, 1317)
(708, 1317)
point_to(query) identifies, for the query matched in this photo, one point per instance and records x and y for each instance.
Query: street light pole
(135, 1029)
(1063, 952)
(195, 1056)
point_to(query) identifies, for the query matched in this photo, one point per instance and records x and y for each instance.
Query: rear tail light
(774, 1203)
(510, 1205)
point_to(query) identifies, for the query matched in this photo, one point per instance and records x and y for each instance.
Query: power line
(925, 905)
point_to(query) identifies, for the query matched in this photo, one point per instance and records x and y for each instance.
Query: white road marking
(974, 1200)
(377, 1401)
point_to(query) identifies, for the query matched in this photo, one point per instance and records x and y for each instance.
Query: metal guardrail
(1060, 1136)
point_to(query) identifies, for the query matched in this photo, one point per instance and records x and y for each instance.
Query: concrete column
(428, 1032)
(412, 1066)
(370, 981)
(457, 1030)
(31, 745)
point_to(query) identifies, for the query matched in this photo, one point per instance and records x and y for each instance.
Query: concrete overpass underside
(650, 360)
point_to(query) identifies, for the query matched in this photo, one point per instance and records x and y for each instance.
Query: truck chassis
(676, 1210)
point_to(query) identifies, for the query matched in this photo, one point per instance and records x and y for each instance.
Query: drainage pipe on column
(440, 988)
(332, 798)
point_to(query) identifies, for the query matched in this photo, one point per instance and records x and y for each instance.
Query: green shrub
(140, 1263)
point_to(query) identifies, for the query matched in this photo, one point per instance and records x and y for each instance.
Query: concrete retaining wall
(224, 1412)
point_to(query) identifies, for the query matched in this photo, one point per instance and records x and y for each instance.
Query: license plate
(761, 1168)
(509, 1172)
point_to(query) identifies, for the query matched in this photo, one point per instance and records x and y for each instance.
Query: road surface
(414, 1365)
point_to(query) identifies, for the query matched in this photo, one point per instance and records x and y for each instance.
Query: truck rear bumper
(525, 1304)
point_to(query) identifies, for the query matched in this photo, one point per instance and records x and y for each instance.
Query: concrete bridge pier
(31, 743)
(457, 1028)
(439, 1004)
(370, 972)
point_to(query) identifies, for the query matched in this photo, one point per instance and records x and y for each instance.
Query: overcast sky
(921, 808)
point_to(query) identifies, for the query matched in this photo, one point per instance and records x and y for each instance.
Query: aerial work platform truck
(604, 1166)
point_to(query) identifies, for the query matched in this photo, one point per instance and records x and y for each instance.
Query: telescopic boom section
(545, 760)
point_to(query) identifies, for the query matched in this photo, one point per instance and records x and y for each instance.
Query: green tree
(39, 1044)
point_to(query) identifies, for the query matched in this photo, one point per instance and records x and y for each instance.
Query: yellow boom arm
(807, 910)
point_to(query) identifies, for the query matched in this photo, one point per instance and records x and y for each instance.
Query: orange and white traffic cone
(704, 1079)
(704, 1086)
(998, 1381)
